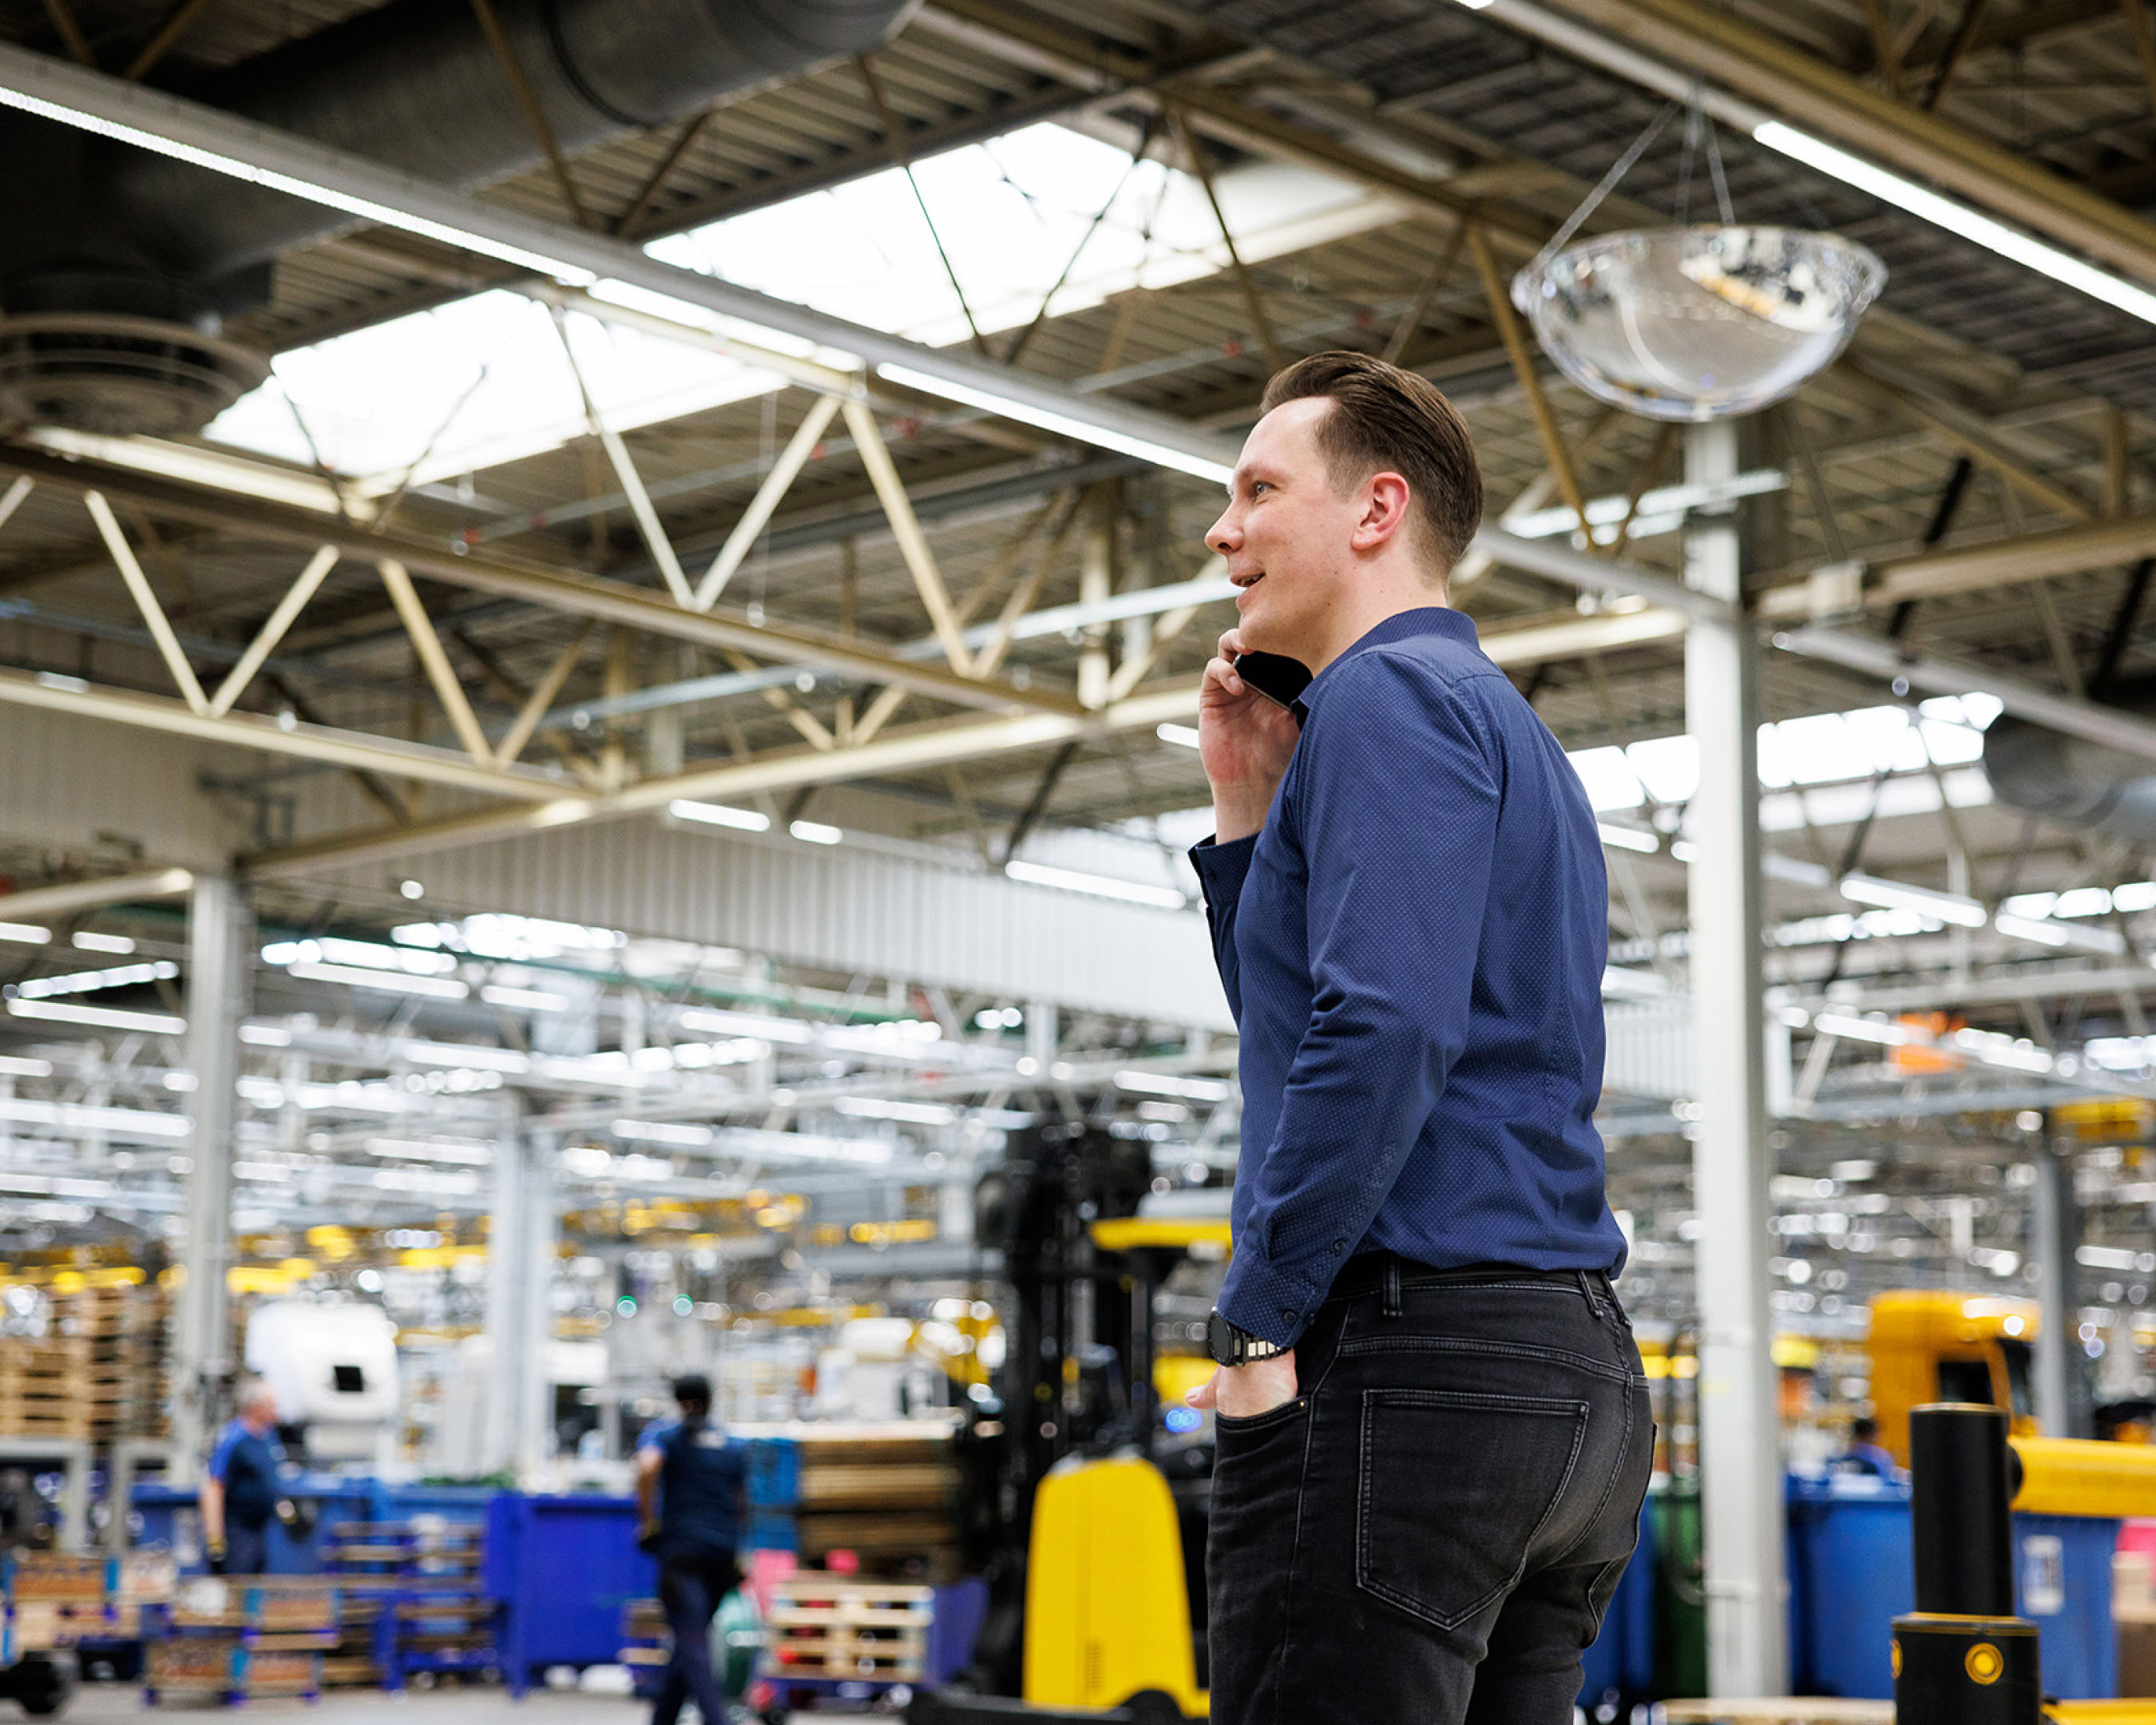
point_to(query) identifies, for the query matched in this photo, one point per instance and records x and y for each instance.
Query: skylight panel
(1608, 777)
(1668, 766)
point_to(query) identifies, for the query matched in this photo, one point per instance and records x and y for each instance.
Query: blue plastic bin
(1851, 1573)
(563, 1567)
(1621, 1662)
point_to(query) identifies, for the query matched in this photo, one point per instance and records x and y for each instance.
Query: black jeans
(1429, 1532)
(691, 1584)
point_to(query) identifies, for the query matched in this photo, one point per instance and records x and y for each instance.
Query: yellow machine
(1107, 1616)
(1928, 1346)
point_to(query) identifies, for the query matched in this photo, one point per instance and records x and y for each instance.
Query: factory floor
(104, 1703)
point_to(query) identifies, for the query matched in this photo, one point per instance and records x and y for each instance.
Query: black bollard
(1962, 1657)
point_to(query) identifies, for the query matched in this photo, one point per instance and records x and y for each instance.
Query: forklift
(1090, 1480)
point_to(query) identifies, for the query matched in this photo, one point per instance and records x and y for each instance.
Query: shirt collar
(1401, 626)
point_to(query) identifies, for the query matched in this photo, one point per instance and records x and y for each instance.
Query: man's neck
(1358, 618)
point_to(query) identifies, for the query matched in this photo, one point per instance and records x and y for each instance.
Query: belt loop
(1586, 1293)
(1391, 1288)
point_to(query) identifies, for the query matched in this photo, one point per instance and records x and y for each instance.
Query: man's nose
(1222, 536)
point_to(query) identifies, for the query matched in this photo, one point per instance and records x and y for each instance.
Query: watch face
(1220, 1339)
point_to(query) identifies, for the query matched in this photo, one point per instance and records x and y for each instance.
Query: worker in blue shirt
(238, 1493)
(1865, 1453)
(689, 1484)
(1432, 1427)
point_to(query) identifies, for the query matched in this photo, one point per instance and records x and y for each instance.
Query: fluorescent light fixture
(1135, 892)
(663, 1132)
(1062, 424)
(1182, 736)
(1959, 218)
(470, 1155)
(1666, 503)
(88, 942)
(880, 1108)
(266, 1035)
(1628, 839)
(24, 932)
(745, 1024)
(526, 999)
(1847, 1024)
(106, 1018)
(561, 813)
(366, 208)
(814, 832)
(443, 1183)
(1897, 895)
(72, 1116)
(388, 982)
(467, 1053)
(1995, 1048)
(717, 814)
(24, 1066)
(2046, 933)
(1169, 1084)
(84, 982)
(1624, 983)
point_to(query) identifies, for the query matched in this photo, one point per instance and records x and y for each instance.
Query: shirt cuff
(1221, 868)
(1274, 1304)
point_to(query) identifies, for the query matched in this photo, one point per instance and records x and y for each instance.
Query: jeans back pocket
(1454, 1488)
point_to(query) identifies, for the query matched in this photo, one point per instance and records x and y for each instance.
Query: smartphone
(1280, 680)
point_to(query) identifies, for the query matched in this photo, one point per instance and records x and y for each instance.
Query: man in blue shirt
(1865, 1453)
(1432, 1424)
(239, 1492)
(688, 1485)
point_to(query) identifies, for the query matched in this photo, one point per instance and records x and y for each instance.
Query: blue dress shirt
(1413, 948)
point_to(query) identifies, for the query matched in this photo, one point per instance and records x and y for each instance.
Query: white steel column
(1740, 1451)
(220, 949)
(2054, 1229)
(521, 1231)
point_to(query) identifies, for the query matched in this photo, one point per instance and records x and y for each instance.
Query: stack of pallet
(89, 1364)
(829, 1630)
(124, 1326)
(889, 1493)
(51, 1387)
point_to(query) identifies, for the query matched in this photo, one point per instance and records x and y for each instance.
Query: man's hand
(1245, 1392)
(1245, 743)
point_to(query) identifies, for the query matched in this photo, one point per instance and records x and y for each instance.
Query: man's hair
(1384, 419)
(693, 1388)
(250, 1390)
(1864, 1428)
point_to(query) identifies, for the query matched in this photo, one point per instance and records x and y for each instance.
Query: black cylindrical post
(1959, 1510)
(1962, 1657)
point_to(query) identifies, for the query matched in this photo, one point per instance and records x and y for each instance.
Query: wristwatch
(1232, 1347)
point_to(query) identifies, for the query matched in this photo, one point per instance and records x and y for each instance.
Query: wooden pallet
(828, 1626)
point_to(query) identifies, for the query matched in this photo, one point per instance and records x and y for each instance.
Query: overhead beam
(932, 745)
(571, 591)
(2110, 726)
(1787, 79)
(2001, 562)
(66, 897)
(296, 739)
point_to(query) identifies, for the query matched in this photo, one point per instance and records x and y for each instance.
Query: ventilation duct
(121, 264)
(2071, 781)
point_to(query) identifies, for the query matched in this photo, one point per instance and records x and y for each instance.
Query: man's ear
(1386, 499)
